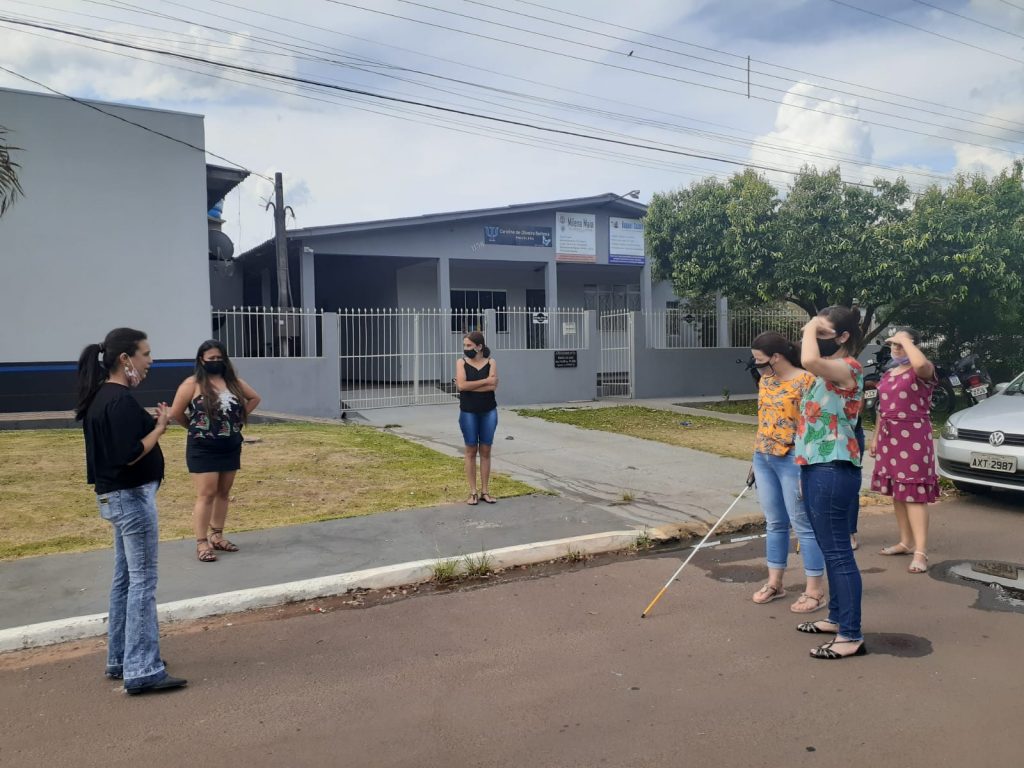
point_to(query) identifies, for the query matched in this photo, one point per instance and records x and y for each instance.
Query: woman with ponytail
(781, 387)
(476, 377)
(125, 464)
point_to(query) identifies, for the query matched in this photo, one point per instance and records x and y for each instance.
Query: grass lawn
(296, 473)
(702, 434)
(741, 407)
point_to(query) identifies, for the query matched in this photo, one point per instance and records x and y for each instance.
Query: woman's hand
(873, 448)
(902, 338)
(163, 415)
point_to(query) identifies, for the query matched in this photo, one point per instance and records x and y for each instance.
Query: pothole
(1000, 585)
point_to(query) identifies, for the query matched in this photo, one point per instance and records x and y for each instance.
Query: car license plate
(979, 392)
(954, 380)
(870, 394)
(988, 461)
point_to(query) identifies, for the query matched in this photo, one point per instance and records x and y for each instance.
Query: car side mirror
(1001, 386)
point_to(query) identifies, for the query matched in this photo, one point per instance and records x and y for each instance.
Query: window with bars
(468, 310)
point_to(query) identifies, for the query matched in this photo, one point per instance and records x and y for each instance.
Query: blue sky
(348, 158)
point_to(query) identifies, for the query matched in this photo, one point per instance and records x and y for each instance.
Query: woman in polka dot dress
(903, 447)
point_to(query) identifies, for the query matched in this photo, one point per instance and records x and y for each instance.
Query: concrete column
(307, 280)
(551, 283)
(331, 353)
(722, 312)
(444, 283)
(646, 288)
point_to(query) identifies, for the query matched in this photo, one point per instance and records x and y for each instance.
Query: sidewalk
(53, 587)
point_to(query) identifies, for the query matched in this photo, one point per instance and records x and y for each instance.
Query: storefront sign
(565, 359)
(531, 237)
(626, 241)
(576, 237)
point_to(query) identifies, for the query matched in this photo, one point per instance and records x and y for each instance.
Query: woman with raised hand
(830, 459)
(903, 447)
(125, 464)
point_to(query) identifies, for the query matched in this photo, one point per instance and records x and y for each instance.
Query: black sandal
(487, 498)
(473, 499)
(223, 545)
(205, 554)
(812, 628)
(825, 651)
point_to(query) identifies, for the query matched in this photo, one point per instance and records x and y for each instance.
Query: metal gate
(615, 377)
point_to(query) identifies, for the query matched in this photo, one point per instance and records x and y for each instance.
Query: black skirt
(213, 455)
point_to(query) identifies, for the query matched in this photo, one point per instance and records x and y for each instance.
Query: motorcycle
(969, 380)
(873, 371)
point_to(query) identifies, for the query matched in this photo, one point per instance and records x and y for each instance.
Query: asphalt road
(561, 671)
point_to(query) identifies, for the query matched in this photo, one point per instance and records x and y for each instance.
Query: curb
(416, 572)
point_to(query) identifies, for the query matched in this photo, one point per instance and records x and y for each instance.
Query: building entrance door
(536, 333)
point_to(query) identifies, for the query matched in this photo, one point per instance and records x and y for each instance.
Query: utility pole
(281, 243)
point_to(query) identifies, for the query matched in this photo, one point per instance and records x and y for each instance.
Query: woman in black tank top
(476, 376)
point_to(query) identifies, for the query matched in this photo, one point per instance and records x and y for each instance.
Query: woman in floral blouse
(830, 458)
(780, 390)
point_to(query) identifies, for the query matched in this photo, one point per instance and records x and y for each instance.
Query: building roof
(219, 181)
(609, 198)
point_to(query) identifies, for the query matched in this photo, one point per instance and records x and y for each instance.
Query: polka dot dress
(905, 464)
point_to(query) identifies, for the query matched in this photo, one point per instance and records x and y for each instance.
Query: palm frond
(10, 186)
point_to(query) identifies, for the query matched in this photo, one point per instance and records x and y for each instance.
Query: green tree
(10, 187)
(953, 251)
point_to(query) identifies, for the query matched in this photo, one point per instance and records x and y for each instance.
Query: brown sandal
(205, 554)
(473, 499)
(486, 497)
(767, 594)
(808, 603)
(222, 544)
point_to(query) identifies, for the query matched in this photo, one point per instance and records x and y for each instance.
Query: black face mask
(828, 347)
(214, 367)
(760, 367)
(470, 353)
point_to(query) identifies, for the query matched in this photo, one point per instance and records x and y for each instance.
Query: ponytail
(98, 360)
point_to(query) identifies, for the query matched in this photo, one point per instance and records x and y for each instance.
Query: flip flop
(768, 593)
(817, 603)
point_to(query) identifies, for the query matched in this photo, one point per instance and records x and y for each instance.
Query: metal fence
(520, 328)
(269, 331)
(615, 377)
(700, 329)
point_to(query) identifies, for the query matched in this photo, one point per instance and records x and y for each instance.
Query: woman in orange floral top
(781, 387)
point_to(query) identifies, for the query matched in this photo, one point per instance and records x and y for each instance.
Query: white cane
(647, 610)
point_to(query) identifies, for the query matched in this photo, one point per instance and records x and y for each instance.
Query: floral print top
(828, 417)
(223, 422)
(778, 412)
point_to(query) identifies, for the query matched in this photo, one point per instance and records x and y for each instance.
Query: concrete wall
(301, 386)
(112, 230)
(359, 282)
(417, 285)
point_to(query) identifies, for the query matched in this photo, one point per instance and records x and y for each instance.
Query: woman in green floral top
(829, 457)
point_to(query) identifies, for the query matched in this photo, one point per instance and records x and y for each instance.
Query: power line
(410, 102)
(968, 18)
(763, 145)
(688, 82)
(1012, 5)
(742, 68)
(771, 64)
(929, 32)
(132, 122)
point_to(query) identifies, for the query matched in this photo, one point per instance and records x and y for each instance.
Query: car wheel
(980, 490)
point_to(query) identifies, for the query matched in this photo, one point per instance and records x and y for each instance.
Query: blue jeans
(478, 428)
(855, 502)
(133, 645)
(778, 490)
(828, 489)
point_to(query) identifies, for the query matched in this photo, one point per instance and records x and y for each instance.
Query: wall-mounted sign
(565, 358)
(531, 237)
(576, 237)
(569, 328)
(626, 241)
(540, 318)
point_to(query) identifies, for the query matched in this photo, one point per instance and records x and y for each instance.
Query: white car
(982, 447)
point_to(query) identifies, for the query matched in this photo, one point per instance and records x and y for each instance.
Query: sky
(922, 94)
